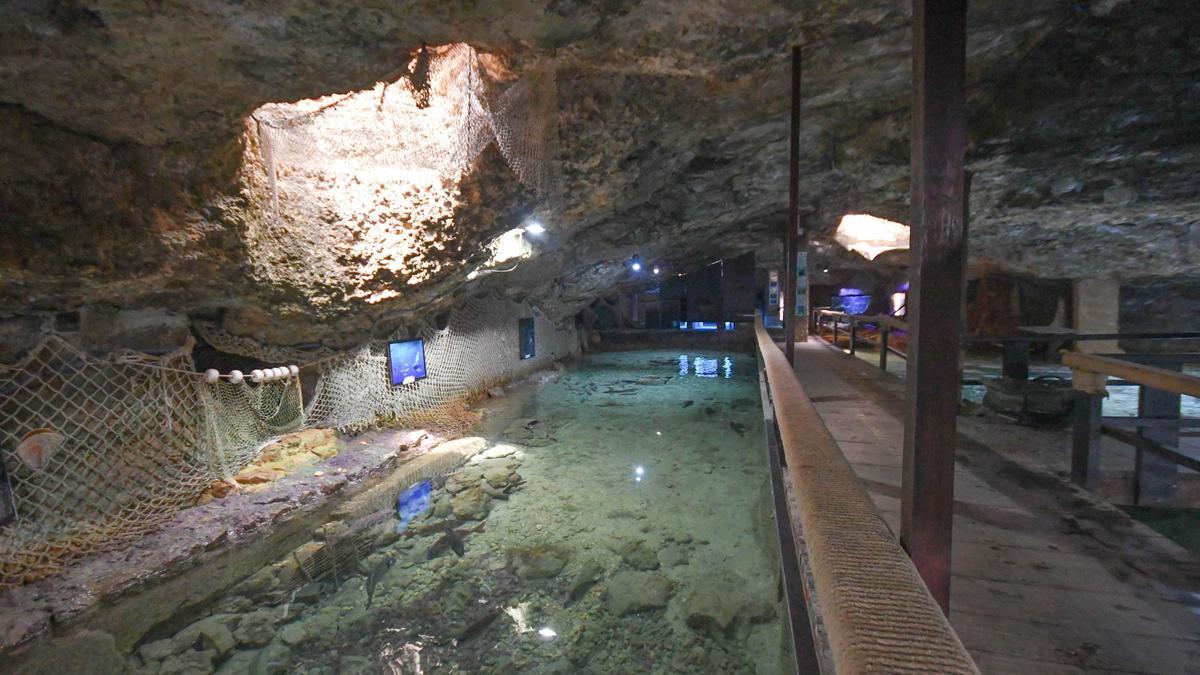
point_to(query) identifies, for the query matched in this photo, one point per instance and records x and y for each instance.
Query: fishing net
(133, 452)
(143, 436)
(437, 116)
(478, 349)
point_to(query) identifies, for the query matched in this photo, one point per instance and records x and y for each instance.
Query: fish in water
(688, 404)
(738, 427)
(451, 540)
(376, 574)
(708, 410)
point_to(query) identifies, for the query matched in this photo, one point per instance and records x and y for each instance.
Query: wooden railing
(1158, 424)
(878, 615)
(833, 319)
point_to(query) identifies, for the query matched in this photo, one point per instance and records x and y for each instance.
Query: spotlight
(535, 228)
(636, 264)
(656, 269)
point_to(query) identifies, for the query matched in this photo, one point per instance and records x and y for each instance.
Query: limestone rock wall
(129, 179)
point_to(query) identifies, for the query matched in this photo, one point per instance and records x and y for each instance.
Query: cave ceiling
(129, 176)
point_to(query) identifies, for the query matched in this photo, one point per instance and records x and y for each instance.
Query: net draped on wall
(439, 115)
(142, 437)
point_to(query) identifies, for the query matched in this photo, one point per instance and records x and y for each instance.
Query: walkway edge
(879, 615)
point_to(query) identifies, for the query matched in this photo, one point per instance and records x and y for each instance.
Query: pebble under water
(619, 523)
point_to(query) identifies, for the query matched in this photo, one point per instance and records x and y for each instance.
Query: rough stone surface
(537, 562)
(212, 632)
(708, 606)
(640, 555)
(132, 180)
(87, 651)
(256, 628)
(191, 662)
(471, 504)
(630, 592)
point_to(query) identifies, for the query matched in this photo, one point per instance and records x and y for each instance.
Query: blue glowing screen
(528, 341)
(413, 501)
(851, 301)
(406, 361)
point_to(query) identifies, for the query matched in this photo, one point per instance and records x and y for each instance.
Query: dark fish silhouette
(451, 540)
(738, 427)
(688, 404)
(376, 574)
(456, 543)
(708, 410)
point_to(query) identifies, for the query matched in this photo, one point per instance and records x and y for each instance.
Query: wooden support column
(1085, 439)
(1014, 361)
(793, 225)
(1157, 477)
(937, 249)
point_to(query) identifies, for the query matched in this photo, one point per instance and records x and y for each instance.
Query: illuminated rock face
(129, 177)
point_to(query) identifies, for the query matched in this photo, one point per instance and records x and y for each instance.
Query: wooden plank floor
(1046, 578)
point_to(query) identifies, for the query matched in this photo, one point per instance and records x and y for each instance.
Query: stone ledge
(150, 578)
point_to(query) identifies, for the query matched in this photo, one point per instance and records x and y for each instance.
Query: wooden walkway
(1046, 578)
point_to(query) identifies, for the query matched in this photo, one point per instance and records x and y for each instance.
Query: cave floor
(1046, 578)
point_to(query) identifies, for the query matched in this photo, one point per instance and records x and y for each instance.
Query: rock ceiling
(129, 178)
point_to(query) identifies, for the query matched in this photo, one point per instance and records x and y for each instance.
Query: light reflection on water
(707, 366)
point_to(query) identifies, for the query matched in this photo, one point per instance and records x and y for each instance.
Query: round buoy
(256, 376)
(212, 375)
(294, 370)
(235, 376)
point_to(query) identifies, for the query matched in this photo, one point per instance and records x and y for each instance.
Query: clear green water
(638, 540)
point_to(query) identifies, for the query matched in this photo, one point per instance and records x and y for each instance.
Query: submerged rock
(584, 579)
(630, 592)
(209, 633)
(537, 562)
(157, 650)
(191, 662)
(293, 634)
(468, 446)
(88, 651)
(497, 452)
(239, 663)
(709, 607)
(472, 504)
(256, 628)
(273, 659)
(639, 555)
(673, 555)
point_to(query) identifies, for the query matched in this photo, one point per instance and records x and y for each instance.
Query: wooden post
(1014, 360)
(853, 334)
(937, 248)
(793, 224)
(1156, 477)
(884, 329)
(1085, 439)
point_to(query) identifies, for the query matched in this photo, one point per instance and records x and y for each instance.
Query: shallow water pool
(618, 522)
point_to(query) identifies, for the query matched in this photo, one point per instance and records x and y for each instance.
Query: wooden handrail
(878, 614)
(1092, 366)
